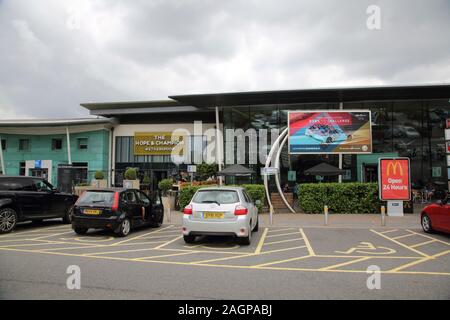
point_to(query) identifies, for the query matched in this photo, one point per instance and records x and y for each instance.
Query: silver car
(220, 211)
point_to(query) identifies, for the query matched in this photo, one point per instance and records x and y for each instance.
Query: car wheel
(189, 239)
(124, 228)
(8, 220)
(80, 231)
(68, 216)
(426, 224)
(248, 239)
(257, 225)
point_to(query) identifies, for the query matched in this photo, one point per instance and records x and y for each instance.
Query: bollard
(170, 215)
(325, 211)
(271, 214)
(383, 216)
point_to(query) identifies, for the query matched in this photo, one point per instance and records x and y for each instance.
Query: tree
(205, 170)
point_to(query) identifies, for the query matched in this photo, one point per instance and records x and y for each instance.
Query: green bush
(146, 179)
(99, 175)
(255, 191)
(130, 174)
(205, 170)
(165, 185)
(353, 197)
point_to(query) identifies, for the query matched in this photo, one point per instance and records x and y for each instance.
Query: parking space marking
(423, 243)
(119, 251)
(387, 231)
(413, 263)
(403, 236)
(307, 243)
(283, 229)
(283, 234)
(169, 242)
(428, 237)
(282, 241)
(261, 241)
(164, 256)
(281, 261)
(335, 266)
(401, 244)
(141, 236)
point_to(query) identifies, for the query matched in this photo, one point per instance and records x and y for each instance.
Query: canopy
(324, 169)
(235, 170)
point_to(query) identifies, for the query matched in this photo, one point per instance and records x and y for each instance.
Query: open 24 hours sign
(394, 179)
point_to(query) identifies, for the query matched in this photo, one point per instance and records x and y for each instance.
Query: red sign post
(394, 179)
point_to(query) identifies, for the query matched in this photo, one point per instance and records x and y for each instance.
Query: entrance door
(370, 172)
(41, 173)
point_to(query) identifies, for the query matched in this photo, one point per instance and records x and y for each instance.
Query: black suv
(31, 199)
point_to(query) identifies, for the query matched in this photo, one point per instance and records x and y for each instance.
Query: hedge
(352, 197)
(255, 191)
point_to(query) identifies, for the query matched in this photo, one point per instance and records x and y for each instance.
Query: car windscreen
(216, 196)
(96, 198)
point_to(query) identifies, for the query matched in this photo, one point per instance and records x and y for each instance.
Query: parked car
(31, 199)
(326, 133)
(436, 217)
(117, 209)
(220, 211)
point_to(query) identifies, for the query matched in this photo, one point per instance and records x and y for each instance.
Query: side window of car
(247, 197)
(40, 185)
(131, 197)
(143, 198)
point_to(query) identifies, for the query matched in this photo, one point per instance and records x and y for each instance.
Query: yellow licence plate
(213, 215)
(90, 211)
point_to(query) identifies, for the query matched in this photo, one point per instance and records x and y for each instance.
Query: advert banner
(330, 131)
(156, 143)
(394, 179)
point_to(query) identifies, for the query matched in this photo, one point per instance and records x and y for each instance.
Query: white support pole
(110, 160)
(69, 155)
(341, 107)
(1, 157)
(218, 145)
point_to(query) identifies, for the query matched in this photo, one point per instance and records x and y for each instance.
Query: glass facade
(413, 129)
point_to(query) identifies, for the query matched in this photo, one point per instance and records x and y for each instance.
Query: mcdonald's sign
(394, 179)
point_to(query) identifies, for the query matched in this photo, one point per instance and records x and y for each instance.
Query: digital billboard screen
(330, 131)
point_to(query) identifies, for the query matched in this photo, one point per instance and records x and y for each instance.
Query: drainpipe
(218, 146)
(1, 157)
(69, 156)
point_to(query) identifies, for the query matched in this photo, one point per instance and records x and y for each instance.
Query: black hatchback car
(116, 209)
(31, 199)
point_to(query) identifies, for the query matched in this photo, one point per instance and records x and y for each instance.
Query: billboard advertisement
(394, 179)
(330, 131)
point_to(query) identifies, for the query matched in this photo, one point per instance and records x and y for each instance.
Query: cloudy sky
(55, 54)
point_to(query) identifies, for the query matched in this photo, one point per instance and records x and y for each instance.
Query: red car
(436, 217)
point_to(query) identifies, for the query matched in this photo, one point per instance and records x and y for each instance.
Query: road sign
(38, 164)
(269, 171)
(191, 169)
(394, 179)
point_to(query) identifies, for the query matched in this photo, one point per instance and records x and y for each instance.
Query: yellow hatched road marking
(282, 229)
(261, 241)
(345, 263)
(401, 244)
(140, 236)
(52, 235)
(423, 243)
(419, 261)
(163, 256)
(281, 261)
(282, 241)
(119, 251)
(169, 242)
(387, 231)
(428, 237)
(307, 243)
(283, 234)
(403, 236)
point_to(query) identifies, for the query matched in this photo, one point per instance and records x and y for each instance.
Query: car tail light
(188, 209)
(115, 205)
(240, 211)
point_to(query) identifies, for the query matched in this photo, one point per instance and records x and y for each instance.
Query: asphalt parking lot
(281, 263)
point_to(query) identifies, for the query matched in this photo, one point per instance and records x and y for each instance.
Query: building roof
(55, 122)
(323, 95)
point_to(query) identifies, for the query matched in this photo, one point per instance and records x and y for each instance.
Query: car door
(145, 204)
(34, 204)
(132, 206)
(443, 213)
(250, 206)
(45, 194)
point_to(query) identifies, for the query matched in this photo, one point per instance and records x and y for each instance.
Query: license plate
(213, 215)
(91, 211)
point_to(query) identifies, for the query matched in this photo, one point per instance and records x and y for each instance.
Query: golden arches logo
(394, 165)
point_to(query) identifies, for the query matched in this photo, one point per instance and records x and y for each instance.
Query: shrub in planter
(165, 185)
(131, 179)
(352, 197)
(130, 174)
(99, 175)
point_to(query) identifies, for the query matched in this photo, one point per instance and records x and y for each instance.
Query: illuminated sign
(330, 131)
(394, 179)
(156, 143)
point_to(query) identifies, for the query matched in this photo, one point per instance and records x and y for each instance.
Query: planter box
(131, 184)
(80, 189)
(168, 202)
(99, 183)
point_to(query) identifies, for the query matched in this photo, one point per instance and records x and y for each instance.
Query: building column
(110, 160)
(1, 157)
(69, 155)
(219, 142)
(341, 106)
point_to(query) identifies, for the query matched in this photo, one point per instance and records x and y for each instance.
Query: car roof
(116, 189)
(222, 188)
(21, 177)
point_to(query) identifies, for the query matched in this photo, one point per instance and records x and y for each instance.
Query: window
(3, 144)
(24, 144)
(10, 184)
(22, 168)
(56, 144)
(143, 198)
(82, 143)
(42, 185)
